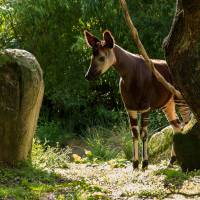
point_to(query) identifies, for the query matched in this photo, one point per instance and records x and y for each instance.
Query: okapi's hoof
(145, 164)
(135, 164)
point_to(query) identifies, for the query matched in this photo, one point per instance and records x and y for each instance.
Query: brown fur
(139, 88)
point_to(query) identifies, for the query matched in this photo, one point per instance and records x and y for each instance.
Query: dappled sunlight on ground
(123, 183)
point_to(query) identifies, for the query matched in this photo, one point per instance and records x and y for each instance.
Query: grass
(101, 148)
(174, 178)
(37, 179)
(109, 140)
(111, 143)
(26, 182)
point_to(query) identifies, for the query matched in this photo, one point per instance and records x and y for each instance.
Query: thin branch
(142, 51)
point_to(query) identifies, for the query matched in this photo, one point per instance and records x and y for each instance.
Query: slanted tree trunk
(21, 93)
(182, 50)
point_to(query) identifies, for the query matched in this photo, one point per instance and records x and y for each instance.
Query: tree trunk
(21, 93)
(182, 50)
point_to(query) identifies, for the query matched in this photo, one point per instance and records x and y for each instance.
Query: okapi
(140, 90)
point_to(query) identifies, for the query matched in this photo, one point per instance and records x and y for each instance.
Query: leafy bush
(98, 144)
(44, 156)
(52, 133)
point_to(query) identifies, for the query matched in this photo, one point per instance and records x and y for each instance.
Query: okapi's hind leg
(184, 110)
(170, 113)
(143, 136)
(135, 137)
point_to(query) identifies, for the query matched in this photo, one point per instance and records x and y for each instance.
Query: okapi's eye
(102, 59)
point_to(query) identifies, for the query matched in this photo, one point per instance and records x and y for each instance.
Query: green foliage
(44, 156)
(61, 131)
(7, 35)
(118, 163)
(174, 178)
(37, 180)
(29, 183)
(157, 121)
(99, 145)
(147, 16)
(53, 31)
(125, 140)
(116, 141)
(52, 132)
(47, 30)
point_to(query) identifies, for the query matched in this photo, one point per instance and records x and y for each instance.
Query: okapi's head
(103, 55)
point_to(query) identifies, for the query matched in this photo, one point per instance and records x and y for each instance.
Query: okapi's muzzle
(92, 74)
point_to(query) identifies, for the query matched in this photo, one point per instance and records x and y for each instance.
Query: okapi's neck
(122, 64)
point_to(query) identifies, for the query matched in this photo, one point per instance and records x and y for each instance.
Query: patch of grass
(97, 141)
(36, 179)
(125, 141)
(158, 194)
(146, 194)
(26, 182)
(109, 143)
(106, 144)
(126, 144)
(174, 178)
(118, 163)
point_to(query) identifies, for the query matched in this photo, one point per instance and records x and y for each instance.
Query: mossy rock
(160, 144)
(187, 148)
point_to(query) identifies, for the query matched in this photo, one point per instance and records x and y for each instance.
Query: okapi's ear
(108, 39)
(90, 39)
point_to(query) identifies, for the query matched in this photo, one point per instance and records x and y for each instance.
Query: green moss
(160, 144)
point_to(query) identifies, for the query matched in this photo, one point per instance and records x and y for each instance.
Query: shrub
(52, 133)
(44, 156)
(97, 142)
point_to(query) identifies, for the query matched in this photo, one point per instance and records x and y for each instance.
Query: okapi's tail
(184, 110)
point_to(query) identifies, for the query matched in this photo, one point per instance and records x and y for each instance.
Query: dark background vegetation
(53, 31)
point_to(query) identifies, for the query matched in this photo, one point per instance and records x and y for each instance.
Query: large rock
(186, 145)
(160, 144)
(21, 93)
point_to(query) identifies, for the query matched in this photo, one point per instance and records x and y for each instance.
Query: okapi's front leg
(170, 113)
(135, 137)
(143, 136)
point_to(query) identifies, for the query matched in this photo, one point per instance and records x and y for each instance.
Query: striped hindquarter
(184, 110)
(170, 112)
